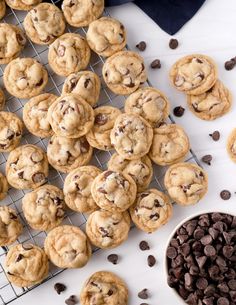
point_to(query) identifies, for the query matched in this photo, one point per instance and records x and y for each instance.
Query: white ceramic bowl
(173, 233)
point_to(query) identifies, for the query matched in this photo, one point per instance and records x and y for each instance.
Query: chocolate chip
(201, 283)
(86, 83)
(232, 284)
(19, 257)
(21, 39)
(155, 64)
(201, 260)
(143, 245)
(179, 111)
(188, 279)
(27, 247)
(215, 135)
(102, 190)
(171, 252)
(173, 43)
(225, 195)
(229, 65)
(143, 294)
(38, 177)
(141, 45)
(101, 119)
(59, 287)
(222, 301)
(84, 145)
(72, 300)
(227, 251)
(207, 159)
(108, 173)
(209, 250)
(151, 260)
(113, 258)
(39, 83)
(206, 240)
(144, 304)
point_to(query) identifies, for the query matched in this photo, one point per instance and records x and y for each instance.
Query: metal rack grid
(8, 292)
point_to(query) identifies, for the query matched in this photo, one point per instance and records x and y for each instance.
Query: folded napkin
(170, 15)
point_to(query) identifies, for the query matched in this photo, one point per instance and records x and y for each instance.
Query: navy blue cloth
(170, 15)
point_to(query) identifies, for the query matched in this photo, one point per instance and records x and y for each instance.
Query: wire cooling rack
(8, 292)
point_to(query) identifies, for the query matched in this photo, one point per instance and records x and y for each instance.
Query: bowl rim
(194, 215)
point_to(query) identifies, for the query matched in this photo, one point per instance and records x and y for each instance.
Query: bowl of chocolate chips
(201, 259)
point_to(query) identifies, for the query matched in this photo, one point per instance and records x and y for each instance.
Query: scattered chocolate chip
(207, 159)
(171, 252)
(84, 145)
(151, 260)
(179, 111)
(155, 64)
(113, 258)
(173, 43)
(143, 245)
(141, 45)
(38, 177)
(19, 257)
(143, 294)
(59, 287)
(101, 119)
(209, 250)
(225, 195)
(215, 135)
(72, 300)
(229, 64)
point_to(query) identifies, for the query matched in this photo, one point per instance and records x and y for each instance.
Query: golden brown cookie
(151, 210)
(104, 288)
(131, 136)
(186, 183)
(85, 83)
(106, 36)
(194, 74)
(26, 265)
(124, 72)
(67, 154)
(68, 54)
(140, 170)
(231, 145)
(170, 144)
(107, 230)
(44, 23)
(149, 103)
(114, 191)
(67, 247)
(80, 13)
(22, 5)
(211, 104)
(99, 135)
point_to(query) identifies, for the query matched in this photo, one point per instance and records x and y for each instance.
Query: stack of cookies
(75, 127)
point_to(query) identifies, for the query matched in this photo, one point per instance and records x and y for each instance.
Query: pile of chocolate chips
(202, 260)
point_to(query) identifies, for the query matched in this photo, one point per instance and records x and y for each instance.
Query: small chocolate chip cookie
(67, 154)
(186, 183)
(44, 23)
(67, 247)
(99, 135)
(77, 189)
(151, 210)
(106, 229)
(124, 72)
(68, 54)
(114, 191)
(27, 167)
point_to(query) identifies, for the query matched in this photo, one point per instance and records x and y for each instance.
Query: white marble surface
(211, 32)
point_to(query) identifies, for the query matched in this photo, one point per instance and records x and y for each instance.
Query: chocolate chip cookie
(131, 136)
(3, 186)
(149, 103)
(35, 115)
(211, 104)
(106, 36)
(44, 208)
(67, 154)
(194, 74)
(67, 247)
(27, 167)
(151, 210)
(68, 54)
(11, 129)
(77, 189)
(99, 135)
(12, 42)
(186, 183)
(106, 229)
(85, 83)
(105, 288)
(2, 8)
(26, 265)
(44, 23)
(81, 13)
(70, 116)
(231, 145)
(170, 144)
(25, 77)
(10, 226)
(124, 72)
(114, 191)
(2, 100)
(22, 5)
(140, 170)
